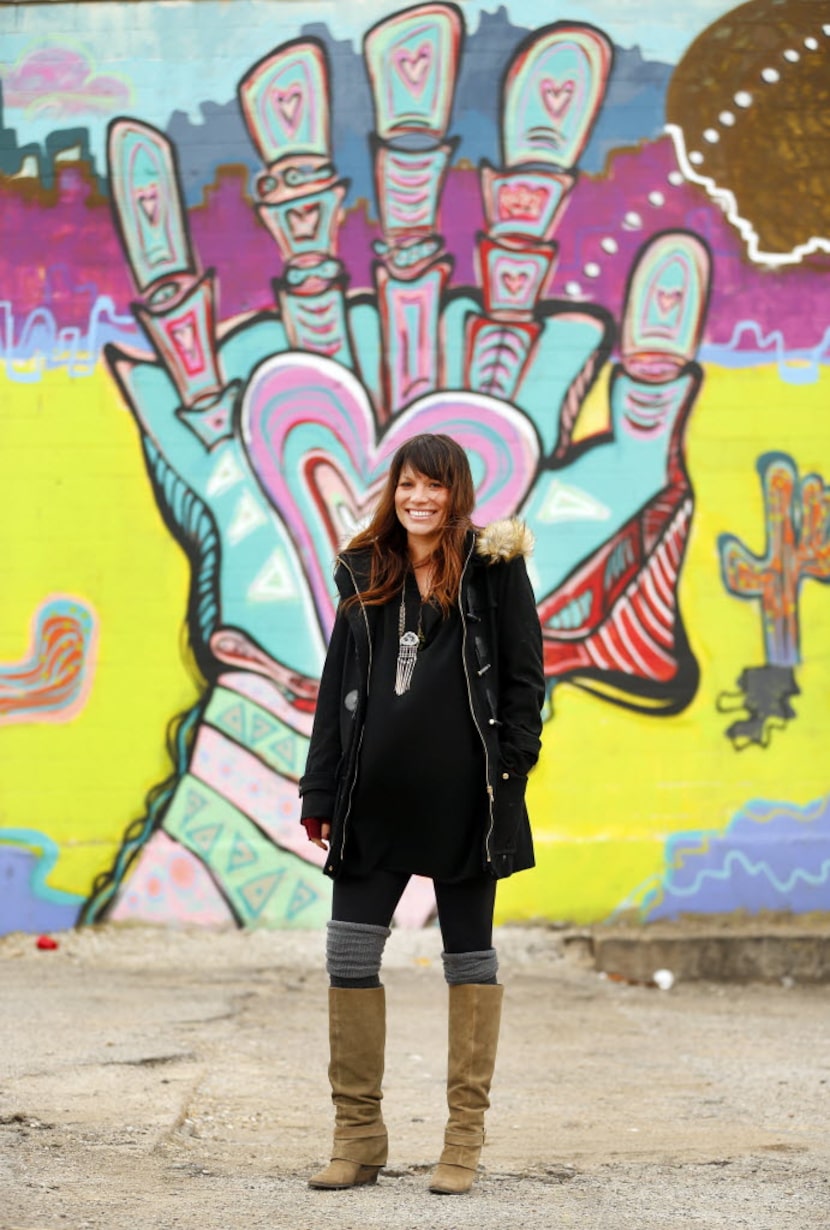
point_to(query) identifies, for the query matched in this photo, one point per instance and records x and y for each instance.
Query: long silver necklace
(408, 645)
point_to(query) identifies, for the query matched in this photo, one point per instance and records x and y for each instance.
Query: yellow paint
(78, 517)
(612, 785)
(593, 417)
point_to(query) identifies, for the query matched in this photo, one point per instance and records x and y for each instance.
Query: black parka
(502, 648)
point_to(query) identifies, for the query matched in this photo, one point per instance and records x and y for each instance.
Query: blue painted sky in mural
(633, 111)
(662, 31)
(200, 104)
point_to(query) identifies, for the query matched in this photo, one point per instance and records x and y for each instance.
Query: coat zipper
(490, 799)
(347, 812)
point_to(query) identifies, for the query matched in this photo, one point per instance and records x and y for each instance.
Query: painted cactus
(797, 513)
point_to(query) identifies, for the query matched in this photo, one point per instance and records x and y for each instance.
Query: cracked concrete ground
(153, 1078)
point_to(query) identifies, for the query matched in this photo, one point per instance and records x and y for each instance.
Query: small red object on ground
(46, 942)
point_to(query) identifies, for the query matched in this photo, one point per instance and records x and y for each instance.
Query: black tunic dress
(420, 799)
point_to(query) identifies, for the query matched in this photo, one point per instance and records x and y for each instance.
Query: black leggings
(465, 908)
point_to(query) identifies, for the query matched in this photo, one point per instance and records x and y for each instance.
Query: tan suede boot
(474, 1017)
(357, 1040)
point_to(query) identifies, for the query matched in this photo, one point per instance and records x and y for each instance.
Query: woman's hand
(318, 831)
(323, 840)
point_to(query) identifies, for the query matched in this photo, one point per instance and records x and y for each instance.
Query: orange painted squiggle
(52, 683)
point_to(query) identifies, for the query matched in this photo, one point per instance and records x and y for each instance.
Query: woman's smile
(421, 505)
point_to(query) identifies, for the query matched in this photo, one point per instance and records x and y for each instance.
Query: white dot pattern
(691, 158)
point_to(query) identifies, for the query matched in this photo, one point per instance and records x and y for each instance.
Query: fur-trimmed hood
(498, 542)
(505, 540)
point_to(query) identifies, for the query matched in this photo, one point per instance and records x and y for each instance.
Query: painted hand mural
(266, 438)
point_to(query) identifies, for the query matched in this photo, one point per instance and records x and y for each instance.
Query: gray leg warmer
(461, 968)
(354, 952)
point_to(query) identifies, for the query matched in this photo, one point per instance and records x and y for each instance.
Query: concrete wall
(246, 249)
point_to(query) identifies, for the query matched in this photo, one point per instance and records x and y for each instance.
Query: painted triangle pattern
(233, 721)
(259, 891)
(262, 883)
(247, 517)
(227, 474)
(302, 897)
(262, 727)
(204, 838)
(193, 802)
(274, 581)
(242, 854)
(284, 752)
(262, 733)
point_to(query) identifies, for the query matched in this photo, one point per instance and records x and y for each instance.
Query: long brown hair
(440, 458)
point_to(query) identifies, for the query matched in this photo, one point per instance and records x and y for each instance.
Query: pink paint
(289, 108)
(271, 801)
(414, 67)
(61, 82)
(514, 283)
(668, 301)
(269, 697)
(557, 97)
(289, 392)
(185, 893)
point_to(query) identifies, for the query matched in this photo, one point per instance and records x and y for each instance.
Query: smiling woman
(427, 724)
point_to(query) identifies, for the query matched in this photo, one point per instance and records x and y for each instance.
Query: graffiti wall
(246, 251)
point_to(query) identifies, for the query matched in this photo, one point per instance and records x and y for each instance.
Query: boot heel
(452, 1180)
(341, 1174)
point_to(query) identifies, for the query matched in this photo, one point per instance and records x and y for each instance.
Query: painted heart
(557, 97)
(343, 511)
(288, 106)
(414, 66)
(314, 444)
(668, 301)
(514, 283)
(148, 201)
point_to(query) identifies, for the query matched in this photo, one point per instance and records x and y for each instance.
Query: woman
(427, 724)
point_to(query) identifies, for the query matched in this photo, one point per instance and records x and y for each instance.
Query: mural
(738, 93)
(773, 853)
(51, 685)
(231, 300)
(798, 519)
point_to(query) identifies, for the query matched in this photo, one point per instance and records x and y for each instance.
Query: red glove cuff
(313, 827)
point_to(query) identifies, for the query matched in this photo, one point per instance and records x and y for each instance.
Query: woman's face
(421, 505)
